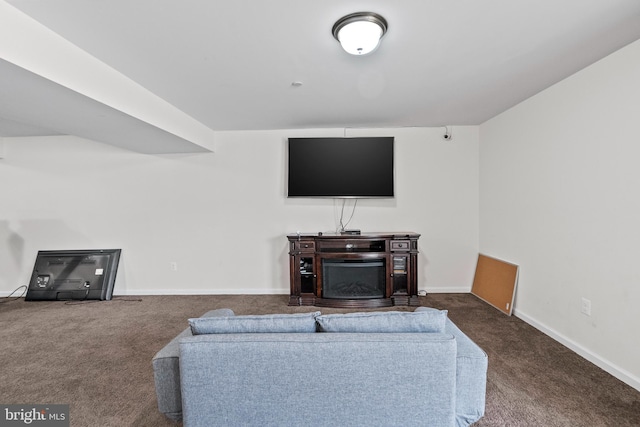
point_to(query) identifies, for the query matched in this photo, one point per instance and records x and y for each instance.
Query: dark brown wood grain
(398, 250)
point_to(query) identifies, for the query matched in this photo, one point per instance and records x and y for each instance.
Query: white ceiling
(230, 64)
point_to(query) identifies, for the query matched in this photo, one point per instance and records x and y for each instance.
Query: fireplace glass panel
(353, 279)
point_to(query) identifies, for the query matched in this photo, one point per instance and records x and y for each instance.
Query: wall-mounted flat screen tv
(74, 275)
(341, 167)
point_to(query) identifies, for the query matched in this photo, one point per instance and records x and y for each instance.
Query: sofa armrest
(166, 371)
(471, 376)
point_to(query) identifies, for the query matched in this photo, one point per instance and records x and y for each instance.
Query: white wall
(223, 216)
(560, 196)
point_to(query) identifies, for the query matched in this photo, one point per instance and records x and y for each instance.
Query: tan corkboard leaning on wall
(495, 283)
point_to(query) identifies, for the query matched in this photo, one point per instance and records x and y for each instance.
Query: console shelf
(368, 270)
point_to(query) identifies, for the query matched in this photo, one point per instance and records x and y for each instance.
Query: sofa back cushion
(267, 323)
(383, 322)
(318, 380)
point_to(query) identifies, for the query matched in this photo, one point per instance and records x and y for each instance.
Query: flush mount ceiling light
(360, 33)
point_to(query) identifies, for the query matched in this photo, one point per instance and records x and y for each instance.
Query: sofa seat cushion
(383, 322)
(267, 323)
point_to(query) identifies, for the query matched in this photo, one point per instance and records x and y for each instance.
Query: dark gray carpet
(97, 358)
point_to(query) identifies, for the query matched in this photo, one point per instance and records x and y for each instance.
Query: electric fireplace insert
(353, 279)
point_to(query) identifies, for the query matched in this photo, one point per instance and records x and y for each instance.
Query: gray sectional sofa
(354, 369)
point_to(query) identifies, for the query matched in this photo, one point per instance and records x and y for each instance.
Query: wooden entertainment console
(354, 270)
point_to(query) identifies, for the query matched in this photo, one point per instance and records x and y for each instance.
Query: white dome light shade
(360, 33)
(360, 38)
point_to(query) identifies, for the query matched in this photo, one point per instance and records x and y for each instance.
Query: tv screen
(74, 275)
(341, 167)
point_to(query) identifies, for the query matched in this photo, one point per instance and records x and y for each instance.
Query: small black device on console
(351, 232)
(74, 275)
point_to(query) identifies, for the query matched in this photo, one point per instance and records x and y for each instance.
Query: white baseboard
(132, 292)
(13, 294)
(448, 290)
(604, 364)
(234, 291)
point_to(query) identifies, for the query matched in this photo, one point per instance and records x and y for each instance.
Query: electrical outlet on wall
(586, 306)
(173, 266)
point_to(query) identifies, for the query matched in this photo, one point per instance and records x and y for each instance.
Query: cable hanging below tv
(87, 274)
